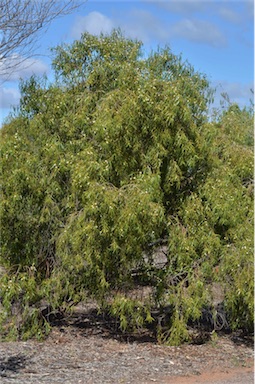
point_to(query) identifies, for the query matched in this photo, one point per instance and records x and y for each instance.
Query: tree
(101, 168)
(20, 24)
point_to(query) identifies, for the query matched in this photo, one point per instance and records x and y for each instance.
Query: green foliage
(115, 155)
(228, 197)
(19, 314)
(132, 314)
(107, 236)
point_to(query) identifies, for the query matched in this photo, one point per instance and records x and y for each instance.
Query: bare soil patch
(86, 348)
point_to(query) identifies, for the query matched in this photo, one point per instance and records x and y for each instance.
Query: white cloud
(94, 23)
(9, 97)
(183, 7)
(249, 9)
(16, 67)
(237, 92)
(231, 11)
(229, 14)
(139, 24)
(199, 31)
(12, 70)
(144, 25)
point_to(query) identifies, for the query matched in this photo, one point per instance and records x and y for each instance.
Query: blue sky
(216, 37)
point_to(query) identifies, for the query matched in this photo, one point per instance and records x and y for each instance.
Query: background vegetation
(117, 158)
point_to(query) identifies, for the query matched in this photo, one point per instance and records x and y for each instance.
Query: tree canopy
(105, 166)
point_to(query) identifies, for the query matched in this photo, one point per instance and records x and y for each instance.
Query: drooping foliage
(99, 168)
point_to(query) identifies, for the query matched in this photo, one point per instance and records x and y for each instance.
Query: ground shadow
(90, 321)
(93, 322)
(12, 364)
(243, 338)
